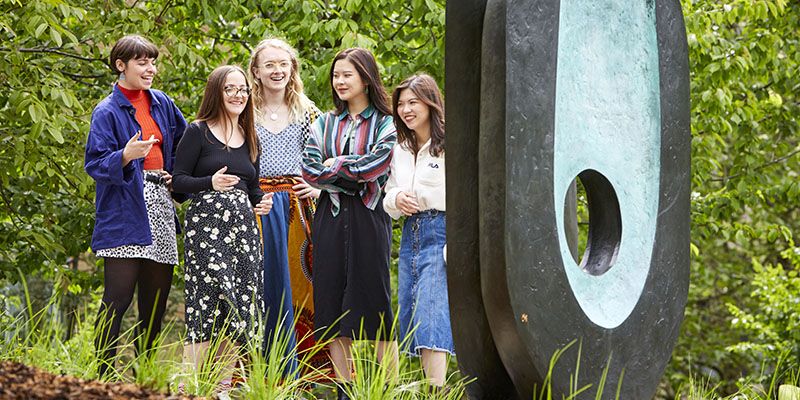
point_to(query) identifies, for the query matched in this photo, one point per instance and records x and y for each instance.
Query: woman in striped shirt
(347, 155)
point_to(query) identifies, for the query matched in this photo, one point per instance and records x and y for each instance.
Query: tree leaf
(55, 36)
(39, 30)
(56, 134)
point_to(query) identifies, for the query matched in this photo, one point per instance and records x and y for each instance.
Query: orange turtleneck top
(141, 102)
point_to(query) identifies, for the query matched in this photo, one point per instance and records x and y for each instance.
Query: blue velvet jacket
(120, 211)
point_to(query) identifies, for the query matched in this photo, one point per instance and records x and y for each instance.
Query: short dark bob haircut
(131, 47)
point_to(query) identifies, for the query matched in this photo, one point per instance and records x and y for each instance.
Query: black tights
(122, 275)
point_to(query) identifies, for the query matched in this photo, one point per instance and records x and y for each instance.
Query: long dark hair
(367, 69)
(426, 90)
(212, 108)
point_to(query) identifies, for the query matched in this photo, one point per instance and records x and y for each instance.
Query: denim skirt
(422, 278)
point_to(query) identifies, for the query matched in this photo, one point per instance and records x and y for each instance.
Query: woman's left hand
(329, 162)
(303, 190)
(167, 179)
(265, 205)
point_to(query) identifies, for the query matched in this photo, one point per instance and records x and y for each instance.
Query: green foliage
(773, 326)
(36, 338)
(545, 391)
(745, 63)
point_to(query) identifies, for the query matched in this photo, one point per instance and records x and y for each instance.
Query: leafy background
(744, 300)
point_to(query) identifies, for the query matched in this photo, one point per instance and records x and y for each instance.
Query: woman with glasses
(130, 153)
(283, 119)
(217, 161)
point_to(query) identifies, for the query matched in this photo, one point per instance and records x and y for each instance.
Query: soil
(19, 381)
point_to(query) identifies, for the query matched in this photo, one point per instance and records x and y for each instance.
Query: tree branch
(400, 28)
(392, 20)
(163, 10)
(69, 182)
(764, 86)
(244, 43)
(11, 211)
(433, 34)
(53, 51)
(421, 46)
(380, 34)
(78, 76)
(757, 168)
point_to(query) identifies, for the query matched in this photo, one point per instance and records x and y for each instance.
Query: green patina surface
(608, 119)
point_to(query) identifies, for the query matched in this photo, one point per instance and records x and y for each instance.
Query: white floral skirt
(224, 276)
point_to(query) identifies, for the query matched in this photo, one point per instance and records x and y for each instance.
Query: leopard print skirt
(161, 214)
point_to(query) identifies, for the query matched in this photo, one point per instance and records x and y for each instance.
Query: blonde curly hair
(298, 102)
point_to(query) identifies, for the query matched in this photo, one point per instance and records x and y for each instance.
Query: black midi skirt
(352, 293)
(224, 273)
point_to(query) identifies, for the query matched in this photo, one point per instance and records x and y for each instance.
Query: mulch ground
(19, 381)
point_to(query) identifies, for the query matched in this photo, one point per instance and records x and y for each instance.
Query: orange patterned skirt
(301, 212)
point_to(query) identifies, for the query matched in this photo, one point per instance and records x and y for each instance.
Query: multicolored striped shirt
(363, 169)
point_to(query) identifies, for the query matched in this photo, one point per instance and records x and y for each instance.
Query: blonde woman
(283, 121)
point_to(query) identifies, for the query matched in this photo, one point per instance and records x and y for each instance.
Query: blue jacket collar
(123, 101)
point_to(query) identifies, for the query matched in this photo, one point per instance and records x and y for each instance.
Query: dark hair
(212, 108)
(131, 47)
(367, 69)
(426, 90)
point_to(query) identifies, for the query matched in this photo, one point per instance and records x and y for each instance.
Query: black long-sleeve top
(200, 154)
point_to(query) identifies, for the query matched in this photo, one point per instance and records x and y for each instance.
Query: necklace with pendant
(273, 113)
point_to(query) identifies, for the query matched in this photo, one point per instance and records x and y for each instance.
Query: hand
(407, 203)
(221, 181)
(136, 148)
(265, 205)
(303, 190)
(167, 179)
(329, 162)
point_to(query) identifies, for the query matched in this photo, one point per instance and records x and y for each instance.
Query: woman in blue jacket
(130, 153)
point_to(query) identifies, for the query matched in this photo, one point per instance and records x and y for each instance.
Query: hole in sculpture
(592, 222)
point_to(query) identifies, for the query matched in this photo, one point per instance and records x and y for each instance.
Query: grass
(38, 338)
(763, 387)
(696, 389)
(545, 390)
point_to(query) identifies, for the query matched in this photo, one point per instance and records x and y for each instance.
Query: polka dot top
(282, 152)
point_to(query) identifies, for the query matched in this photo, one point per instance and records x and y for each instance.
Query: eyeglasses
(232, 91)
(274, 65)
